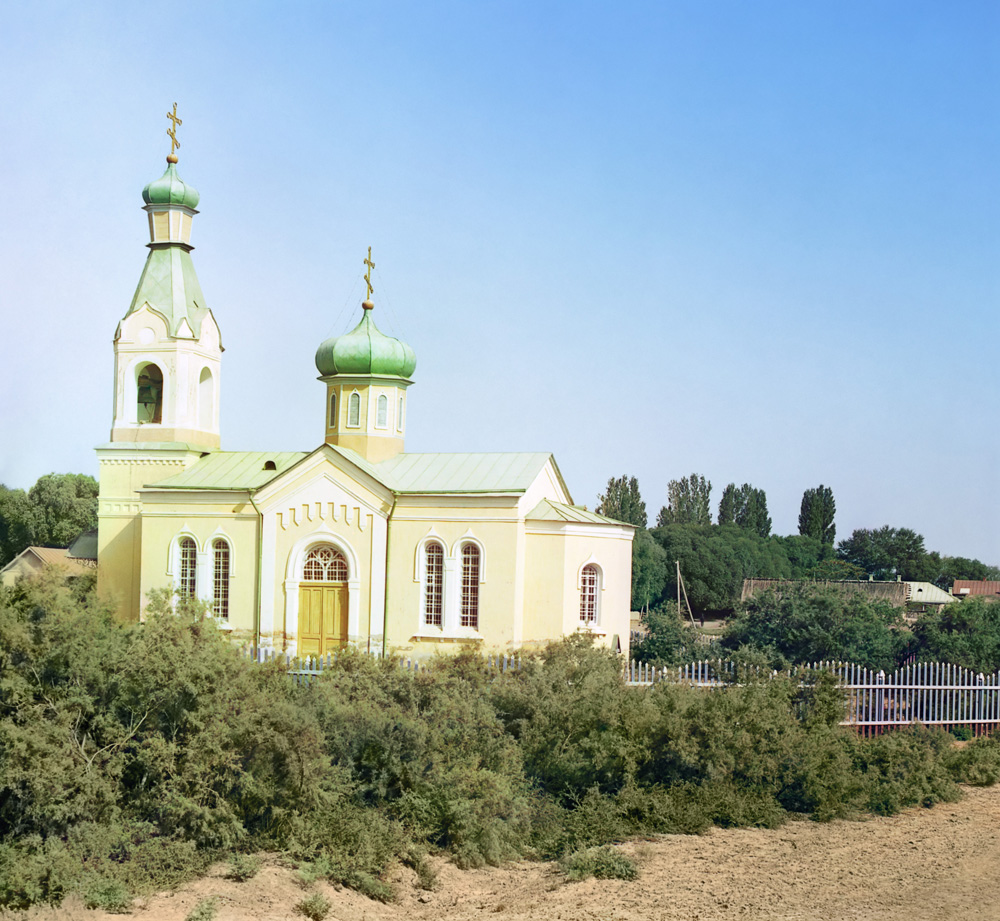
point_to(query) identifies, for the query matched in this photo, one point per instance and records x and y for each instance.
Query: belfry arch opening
(149, 395)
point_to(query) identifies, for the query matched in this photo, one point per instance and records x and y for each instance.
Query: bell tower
(168, 353)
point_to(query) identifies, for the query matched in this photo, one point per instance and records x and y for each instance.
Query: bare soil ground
(923, 865)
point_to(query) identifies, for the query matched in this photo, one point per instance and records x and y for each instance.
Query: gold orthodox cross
(368, 273)
(172, 130)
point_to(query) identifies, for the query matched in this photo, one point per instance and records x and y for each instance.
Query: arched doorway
(323, 605)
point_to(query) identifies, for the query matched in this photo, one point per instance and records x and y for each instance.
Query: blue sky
(753, 241)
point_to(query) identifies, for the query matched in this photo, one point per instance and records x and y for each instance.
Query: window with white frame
(399, 416)
(187, 583)
(433, 584)
(220, 578)
(469, 616)
(333, 410)
(354, 410)
(325, 564)
(589, 584)
(382, 411)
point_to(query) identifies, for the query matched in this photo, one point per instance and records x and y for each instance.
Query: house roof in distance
(972, 587)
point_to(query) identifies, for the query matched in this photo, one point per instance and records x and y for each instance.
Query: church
(357, 542)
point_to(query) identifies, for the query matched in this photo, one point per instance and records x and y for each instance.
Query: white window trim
(349, 424)
(378, 408)
(210, 550)
(451, 588)
(595, 626)
(332, 405)
(399, 414)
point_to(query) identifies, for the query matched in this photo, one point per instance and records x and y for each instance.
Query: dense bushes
(131, 756)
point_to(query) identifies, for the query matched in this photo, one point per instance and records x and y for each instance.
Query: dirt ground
(923, 865)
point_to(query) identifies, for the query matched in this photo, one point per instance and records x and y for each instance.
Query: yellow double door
(322, 617)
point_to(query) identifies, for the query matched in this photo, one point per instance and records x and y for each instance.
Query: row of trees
(57, 509)
(716, 558)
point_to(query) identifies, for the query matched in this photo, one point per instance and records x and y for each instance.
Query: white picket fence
(931, 693)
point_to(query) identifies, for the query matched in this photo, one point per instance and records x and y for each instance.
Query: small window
(188, 582)
(589, 580)
(149, 395)
(399, 416)
(220, 578)
(333, 411)
(470, 587)
(325, 564)
(354, 410)
(382, 412)
(433, 584)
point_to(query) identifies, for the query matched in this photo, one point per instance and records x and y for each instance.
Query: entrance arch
(330, 565)
(323, 602)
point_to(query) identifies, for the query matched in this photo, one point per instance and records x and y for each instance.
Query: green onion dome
(365, 350)
(170, 189)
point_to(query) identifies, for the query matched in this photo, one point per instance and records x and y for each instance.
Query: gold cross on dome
(172, 130)
(368, 273)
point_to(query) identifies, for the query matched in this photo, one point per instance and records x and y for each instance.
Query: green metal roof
(232, 470)
(412, 474)
(170, 286)
(365, 350)
(462, 473)
(170, 189)
(547, 510)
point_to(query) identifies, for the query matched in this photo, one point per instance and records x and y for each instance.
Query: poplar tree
(621, 501)
(816, 514)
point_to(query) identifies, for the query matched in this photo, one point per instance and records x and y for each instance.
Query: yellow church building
(356, 542)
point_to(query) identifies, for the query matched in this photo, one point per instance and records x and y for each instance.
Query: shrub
(108, 895)
(600, 862)
(906, 768)
(205, 910)
(977, 764)
(315, 907)
(243, 867)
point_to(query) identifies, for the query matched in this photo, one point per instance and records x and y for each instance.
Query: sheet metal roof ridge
(565, 512)
(219, 466)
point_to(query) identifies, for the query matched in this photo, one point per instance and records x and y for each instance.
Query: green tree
(17, 523)
(811, 623)
(688, 502)
(888, 553)
(668, 640)
(66, 505)
(649, 570)
(746, 507)
(816, 514)
(621, 501)
(964, 633)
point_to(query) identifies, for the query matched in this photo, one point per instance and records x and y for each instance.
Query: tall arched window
(187, 583)
(433, 584)
(325, 564)
(382, 411)
(354, 410)
(220, 578)
(333, 410)
(399, 416)
(470, 587)
(149, 394)
(589, 583)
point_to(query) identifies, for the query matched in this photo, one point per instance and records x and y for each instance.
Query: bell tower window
(354, 410)
(382, 411)
(149, 395)
(333, 411)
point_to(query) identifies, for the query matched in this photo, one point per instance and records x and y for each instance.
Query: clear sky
(756, 241)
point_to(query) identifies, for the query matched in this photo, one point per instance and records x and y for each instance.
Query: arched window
(399, 416)
(325, 564)
(187, 583)
(433, 584)
(354, 410)
(382, 412)
(149, 395)
(220, 578)
(470, 587)
(206, 414)
(333, 411)
(589, 583)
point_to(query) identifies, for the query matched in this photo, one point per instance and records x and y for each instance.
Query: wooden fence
(931, 693)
